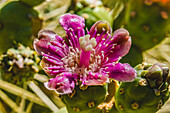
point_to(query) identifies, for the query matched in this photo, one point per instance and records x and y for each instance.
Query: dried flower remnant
(88, 59)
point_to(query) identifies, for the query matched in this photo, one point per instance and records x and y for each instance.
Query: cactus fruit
(17, 22)
(19, 65)
(85, 100)
(147, 93)
(147, 21)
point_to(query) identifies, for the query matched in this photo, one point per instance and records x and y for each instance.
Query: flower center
(82, 61)
(86, 45)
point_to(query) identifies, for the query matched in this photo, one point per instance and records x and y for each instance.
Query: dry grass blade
(13, 89)
(8, 101)
(29, 107)
(2, 108)
(45, 99)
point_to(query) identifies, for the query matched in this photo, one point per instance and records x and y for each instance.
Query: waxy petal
(122, 44)
(52, 67)
(61, 84)
(72, 21)
(45, 38)
(122, 72)
(74, 27)
(96, 79)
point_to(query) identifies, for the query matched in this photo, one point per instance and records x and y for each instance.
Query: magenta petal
(96, 79)
(52, 67)
(122, 42)
(72, 21)
(44, 37)
(123, 72)
(61, 84)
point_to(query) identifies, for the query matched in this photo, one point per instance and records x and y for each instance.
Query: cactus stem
(91, 104)
(76, 109)
(164, 15)
(143, 82)
(160, 104)
(121, 91)
(84, 87)
(135, 105)
(121, 107)
(72, 94)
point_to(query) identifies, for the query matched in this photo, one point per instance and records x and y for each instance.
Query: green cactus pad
(86, 100)
(32, 2)
(18, 22)
(137, 98)
(147, 24)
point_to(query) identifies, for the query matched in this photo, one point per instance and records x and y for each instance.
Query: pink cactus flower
(83, 59)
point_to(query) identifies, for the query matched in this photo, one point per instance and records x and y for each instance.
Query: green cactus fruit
(32, 2)
(93, 15)
(85, 100)
(19, 65)
(148, 23)
(134, 56)
(17, 22)
(145, 93)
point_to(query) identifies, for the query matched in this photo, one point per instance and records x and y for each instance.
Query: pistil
(86, 45)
